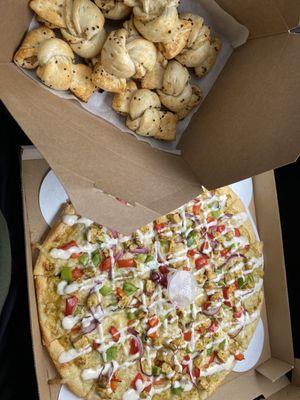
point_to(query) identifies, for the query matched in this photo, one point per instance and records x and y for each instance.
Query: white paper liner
(231, 33)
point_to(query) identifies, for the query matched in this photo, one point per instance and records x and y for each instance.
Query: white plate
(65, 394)
(253, 353)
(51, 197)
(244, 190)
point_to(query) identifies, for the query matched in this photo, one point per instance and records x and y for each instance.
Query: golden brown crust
(121, 101)
(167, 127)
(50, 307)
(44, 265)
(178, 41)
(49, 10)
(26, 55)
(82, 85)
(105, 81)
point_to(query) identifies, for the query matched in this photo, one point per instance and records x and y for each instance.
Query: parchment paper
(232, 35)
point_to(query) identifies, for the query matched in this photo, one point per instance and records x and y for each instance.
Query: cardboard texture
(237, 386)
(249, 123)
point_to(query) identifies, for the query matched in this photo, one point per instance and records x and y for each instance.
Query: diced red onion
(236, 333)
(132, 331)
(118, 255)
(212, 310)
(141, 250)
(91, 327)
(114, 233)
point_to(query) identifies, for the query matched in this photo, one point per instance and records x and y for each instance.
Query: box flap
(15, 18)
(290, 392)
(92, 154)
(264, 17)
(275, 284)
(250, 121)
(274, 369)
(296, 372)
(249, 386)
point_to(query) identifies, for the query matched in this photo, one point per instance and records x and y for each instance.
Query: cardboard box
(249, 123)
(276, 360)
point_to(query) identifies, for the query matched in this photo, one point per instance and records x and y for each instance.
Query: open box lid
(249, 123)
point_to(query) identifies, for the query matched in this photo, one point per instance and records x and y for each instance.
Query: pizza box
(248, 124)
(275, 357)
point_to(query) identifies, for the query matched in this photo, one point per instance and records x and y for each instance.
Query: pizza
(163, 313)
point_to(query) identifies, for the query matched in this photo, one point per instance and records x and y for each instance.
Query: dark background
(17, 376)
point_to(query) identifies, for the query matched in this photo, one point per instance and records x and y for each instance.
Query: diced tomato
(148, 388)
(159, 382)
(237, 233)
(164, 269)
(138, 377)
(224, 252)
(210, 235)
(126, 263)
(159, 227)
(205, 246)
(200, 262)
(227, 303)
(212, 358)
(71, 304)
(192, 252)
(75, 255)
(210, 219)
(187, 336)
(213, 326)
(238, 313)
(106, 264)
(206, 305)
(225, 293)
(196, 209)
(77, 273)
(196, 372)
(239, 357)
(76, 329)
(153, 321)
(235, 285)
(114, 333)
(201, 330)
(114, 383)
(221, 228)
(134, 348)
(152, 335)
(187, 358)
(68, 245)
(95, 345)
(120, 292)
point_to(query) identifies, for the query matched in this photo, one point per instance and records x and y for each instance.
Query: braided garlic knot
(201, 49)
(84, 27)
(123, 56)
(114, 9)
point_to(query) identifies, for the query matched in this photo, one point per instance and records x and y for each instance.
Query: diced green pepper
(156, 371)
(96, 258)
(209, 351)
(177, 391)
(162, 318)
(131, 315)
(111, 353)
(187, 349)
(222, 345)
(216, 214)
(129, 288)
(240, 283)
(214, 204)
(66, 274)
(221, 283)
(78, 310)
(164, 243)
(144, 337)
(225, 306)
(141, 257)
(105, 290)
(83, 259)
(149, 258)
(191, 239)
